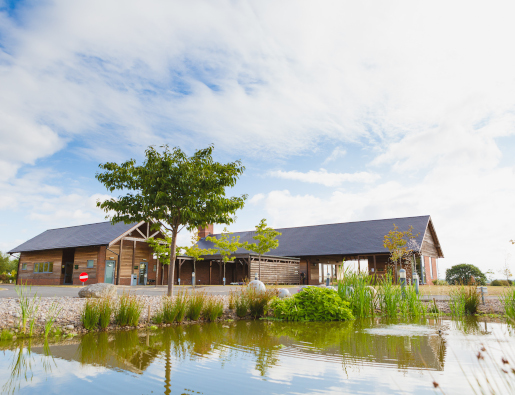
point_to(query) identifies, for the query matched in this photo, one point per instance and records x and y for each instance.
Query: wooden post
(119, 263)
(375, 269)
(359, 266)
(157, 273)
(134, 260)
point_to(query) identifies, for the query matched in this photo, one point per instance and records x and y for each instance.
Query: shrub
(500, 283)
(356, 289)
(105, 307)
(213, 308)
(472, 299)
(465, 274)
(90, 315)
(312, 304)
(440, 282)
(195, 304)
(463, 300)
(6, 335)
(128, 311)
(258, 301)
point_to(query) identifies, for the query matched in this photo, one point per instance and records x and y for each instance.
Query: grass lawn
(445, 289)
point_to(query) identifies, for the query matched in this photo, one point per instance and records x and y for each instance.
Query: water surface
(255, 357)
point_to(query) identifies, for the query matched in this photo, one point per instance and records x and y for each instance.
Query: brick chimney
(203, 232)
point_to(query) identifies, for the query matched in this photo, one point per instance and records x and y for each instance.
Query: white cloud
(256, 198)
(325, 178)
(337, 153)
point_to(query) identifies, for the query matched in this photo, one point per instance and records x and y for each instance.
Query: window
(431, 266)
(90, 264)
(44, 267)
(23, 266)
(155, 268)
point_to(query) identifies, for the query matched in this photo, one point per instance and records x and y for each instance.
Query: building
(119, 254)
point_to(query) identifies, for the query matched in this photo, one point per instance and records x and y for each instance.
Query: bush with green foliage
(464, 300)
(312, 304)
(508, 302)
(500, 283)
(465, 274)
(440, 282)
(8, 267)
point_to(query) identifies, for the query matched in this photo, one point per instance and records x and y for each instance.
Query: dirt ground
(445, 289)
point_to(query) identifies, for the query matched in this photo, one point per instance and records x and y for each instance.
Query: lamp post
(415, 282)
(402, 278)
(193, 279)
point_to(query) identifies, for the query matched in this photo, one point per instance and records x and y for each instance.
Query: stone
(372, 290)
(69, 327)
(257, 286)
(100, 290)
(284, 293)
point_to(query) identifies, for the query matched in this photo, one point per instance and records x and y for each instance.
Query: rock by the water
(100, 290)
(257, 286)
(284, 293)
(69, 327)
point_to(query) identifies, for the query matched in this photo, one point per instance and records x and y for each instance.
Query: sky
(339, 110)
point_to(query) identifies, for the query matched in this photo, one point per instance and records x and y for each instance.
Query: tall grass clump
(128, 311)
(241, 303)
(258, 301)
(168, 310)
(52, 314)
(356, 288)
(457, 302)
(6, 335)
(105, 308)
(195, 305)
(213, 308)
(508, 302)
(29, 307)
(389, 296)
(233, 295)
(90, 315)
(181, 306)
(411, 305)
(472, 299)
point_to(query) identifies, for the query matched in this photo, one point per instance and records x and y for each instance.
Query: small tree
(173, 191)
(224, 246)
(463, 274)
(266, 241)
(506, 271)
(195, 252)
(398, 243)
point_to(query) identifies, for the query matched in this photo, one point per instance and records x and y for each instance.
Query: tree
(266, 241)
(225, 247)
(399, 244)
(172, 191)
(161, 248)
(463, 274)
(505, 271)
(7, 264)
(195, 252)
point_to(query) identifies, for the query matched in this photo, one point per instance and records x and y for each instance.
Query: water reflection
(354, 344)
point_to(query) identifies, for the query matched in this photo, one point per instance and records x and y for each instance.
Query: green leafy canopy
(265, 237)
(225, 246)
(463, 274)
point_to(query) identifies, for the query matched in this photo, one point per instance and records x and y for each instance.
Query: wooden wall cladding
(28, 275)
(276, 271)
(81, 258)
(428, 245)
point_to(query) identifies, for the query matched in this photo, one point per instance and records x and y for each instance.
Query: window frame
(92, 264)
(24, 266)
(39, 267)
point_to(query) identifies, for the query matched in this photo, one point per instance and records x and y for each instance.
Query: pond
(255, 357)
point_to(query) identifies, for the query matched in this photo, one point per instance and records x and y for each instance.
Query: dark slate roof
(349, 238)
(75, 236)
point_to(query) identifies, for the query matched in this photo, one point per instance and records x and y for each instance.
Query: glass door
(109, 273)
(142, 278)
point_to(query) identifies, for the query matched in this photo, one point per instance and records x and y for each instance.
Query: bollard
(255, 277)
(402, 279)
(179, 281)
(224, 281)
(327, 279)
(415, 282)
(482, 295)
(193, 279)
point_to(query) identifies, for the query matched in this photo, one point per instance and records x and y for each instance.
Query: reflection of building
(324, 250)
(119, 254)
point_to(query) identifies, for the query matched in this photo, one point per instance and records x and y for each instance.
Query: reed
(181, 306)
(128, 310)
(168, 310)
(52, 314)
(29, 306)
(258, 301)
(411, 306)
(195, 304)
(241, 303)
(233, 295)
(508, 302)
(389, 296)
(213, 308)
(356, 288)
(105, 307)
(6, 335)
(90, 315)
(457, 302)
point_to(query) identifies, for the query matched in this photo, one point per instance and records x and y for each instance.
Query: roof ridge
(334, 223)
(77, 226)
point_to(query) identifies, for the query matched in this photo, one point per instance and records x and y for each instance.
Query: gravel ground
(69, 317)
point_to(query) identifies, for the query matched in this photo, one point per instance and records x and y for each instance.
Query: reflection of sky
(233, 370)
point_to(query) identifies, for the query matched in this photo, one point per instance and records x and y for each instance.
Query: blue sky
(339, 111)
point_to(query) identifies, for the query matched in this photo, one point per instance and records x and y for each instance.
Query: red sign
(83, 277)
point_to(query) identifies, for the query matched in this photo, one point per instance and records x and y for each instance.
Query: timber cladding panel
(80, 260)
(30, 258)
(428, 247)
(274, 271)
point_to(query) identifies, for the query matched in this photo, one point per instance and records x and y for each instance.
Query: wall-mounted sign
(135, 267)
(76, 266)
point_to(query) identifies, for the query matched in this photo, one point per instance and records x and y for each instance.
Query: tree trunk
(194, 271)
(259, 268)
(171, 269)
